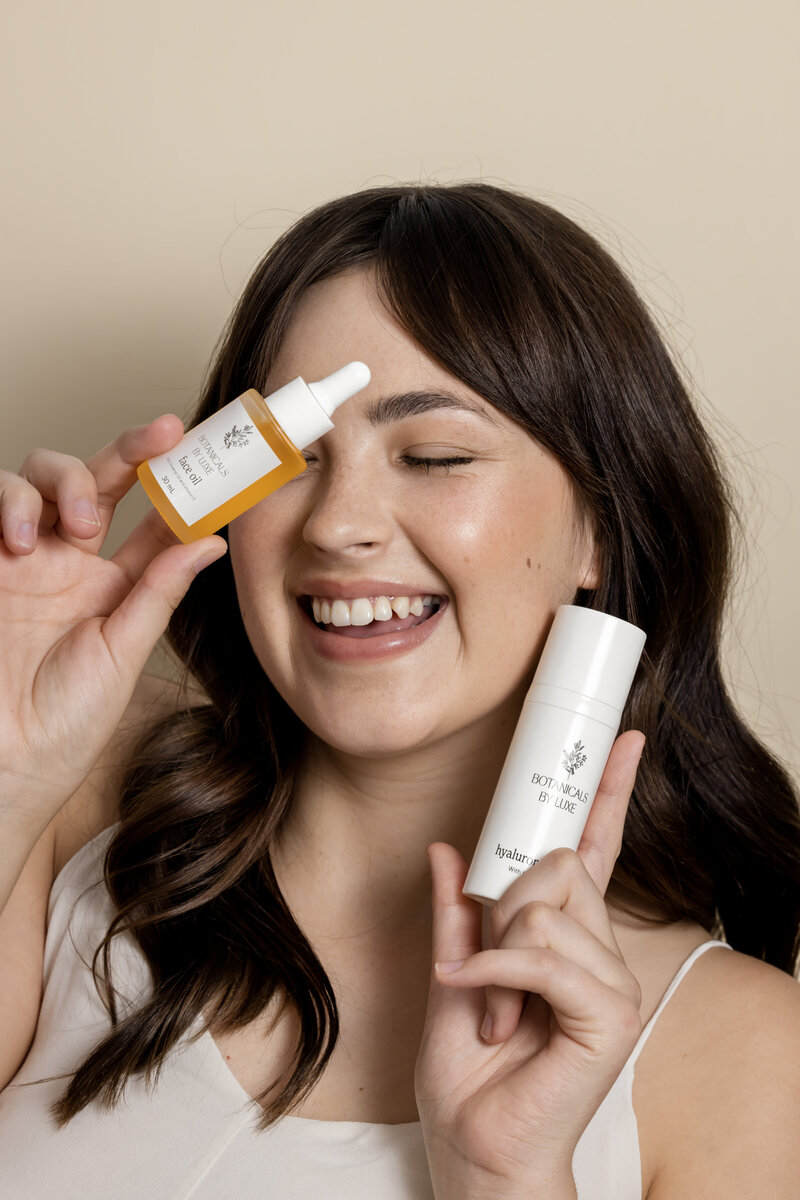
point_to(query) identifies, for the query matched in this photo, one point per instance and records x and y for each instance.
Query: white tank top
(192, 1137)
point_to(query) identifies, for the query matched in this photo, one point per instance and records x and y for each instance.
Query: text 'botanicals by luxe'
(560, 747)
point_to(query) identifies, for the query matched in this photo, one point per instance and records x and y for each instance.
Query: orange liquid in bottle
(290, 466)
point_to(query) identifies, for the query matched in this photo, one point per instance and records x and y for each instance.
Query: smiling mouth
(367, 617)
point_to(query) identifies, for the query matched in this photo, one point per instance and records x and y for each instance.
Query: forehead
(343, 318)
(338, 311)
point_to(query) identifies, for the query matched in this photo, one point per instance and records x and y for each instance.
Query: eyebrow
(398, 406)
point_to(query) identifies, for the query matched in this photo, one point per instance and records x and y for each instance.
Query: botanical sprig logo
(236, 438)
(573, 759)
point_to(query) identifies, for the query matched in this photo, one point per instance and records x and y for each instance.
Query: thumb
(456, 918)
(133, 629)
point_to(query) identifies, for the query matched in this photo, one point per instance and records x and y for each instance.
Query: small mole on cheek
(528, 561)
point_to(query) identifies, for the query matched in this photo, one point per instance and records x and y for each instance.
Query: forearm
(17, 840)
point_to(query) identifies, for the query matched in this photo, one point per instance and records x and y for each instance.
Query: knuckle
(16, 487)
(546, 960)
(565, 862)
(628, 1018)
(54, 463)
(29, 462)
(537, 920)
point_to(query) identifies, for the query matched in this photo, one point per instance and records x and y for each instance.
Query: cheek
(260, 542)
(520, 541)
(513, 560)
(258, 558)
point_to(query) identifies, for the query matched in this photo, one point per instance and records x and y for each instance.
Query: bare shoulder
(719, 1108)
(95, 805)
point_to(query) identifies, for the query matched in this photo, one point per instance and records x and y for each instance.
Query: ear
(590, 571)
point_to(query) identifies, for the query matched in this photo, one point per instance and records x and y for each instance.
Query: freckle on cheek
(528, 561)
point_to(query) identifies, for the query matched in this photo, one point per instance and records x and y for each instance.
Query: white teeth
(340, 613)
(363, 611)
(360, 611)
(382, 609)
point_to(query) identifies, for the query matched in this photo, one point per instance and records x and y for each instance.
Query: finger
(456, 919)
(574, 880)
(114, 467)
(539, 926)
(135, 626)
(20, 513)
(80, 498)
(560, 880)
(601, 840)
(149, 538)
(584, 1006)
(66, 488)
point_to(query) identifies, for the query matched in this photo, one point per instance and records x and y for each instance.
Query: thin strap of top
(682, 970)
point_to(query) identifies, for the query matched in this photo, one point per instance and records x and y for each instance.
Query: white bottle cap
(303, 410)
(591, 654)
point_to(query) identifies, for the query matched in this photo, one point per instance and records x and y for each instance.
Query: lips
(359, 644)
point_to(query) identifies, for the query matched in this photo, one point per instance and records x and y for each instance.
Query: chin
(387, 739)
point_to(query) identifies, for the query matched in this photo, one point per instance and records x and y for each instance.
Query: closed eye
(424, 464)
(444, 464)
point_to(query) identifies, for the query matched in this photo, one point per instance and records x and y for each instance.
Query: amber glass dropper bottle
(243, 452)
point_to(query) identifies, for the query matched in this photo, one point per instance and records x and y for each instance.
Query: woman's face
(495, 537)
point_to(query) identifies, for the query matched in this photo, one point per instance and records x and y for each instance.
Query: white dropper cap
(303, 410)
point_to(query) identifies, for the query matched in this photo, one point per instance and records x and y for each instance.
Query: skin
(405, 748)
(404, 755)
(405, 751)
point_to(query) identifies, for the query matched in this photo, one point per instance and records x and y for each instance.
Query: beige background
(152, 151)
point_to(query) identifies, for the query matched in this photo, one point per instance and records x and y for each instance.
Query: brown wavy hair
(528, 310)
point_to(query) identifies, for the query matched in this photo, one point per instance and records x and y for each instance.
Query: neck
(352, 850)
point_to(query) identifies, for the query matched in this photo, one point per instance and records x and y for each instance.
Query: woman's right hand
(76, 629)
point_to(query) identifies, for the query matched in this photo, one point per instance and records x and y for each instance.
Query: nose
(351, 513)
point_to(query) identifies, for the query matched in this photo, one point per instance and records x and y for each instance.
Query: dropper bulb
(334, 389)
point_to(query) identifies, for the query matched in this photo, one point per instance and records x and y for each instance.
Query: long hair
(530, 312)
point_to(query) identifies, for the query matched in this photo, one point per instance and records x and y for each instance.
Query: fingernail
(487, 1026)
(447, 968)
(85, 511)
(26, 535)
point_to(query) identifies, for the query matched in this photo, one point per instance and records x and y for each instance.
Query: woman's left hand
(502, 1110)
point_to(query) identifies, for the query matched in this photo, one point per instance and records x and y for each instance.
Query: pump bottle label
(543, 795)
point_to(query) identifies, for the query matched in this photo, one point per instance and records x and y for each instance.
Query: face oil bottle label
(213, 462)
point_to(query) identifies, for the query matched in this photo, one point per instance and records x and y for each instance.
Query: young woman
(241, 865)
